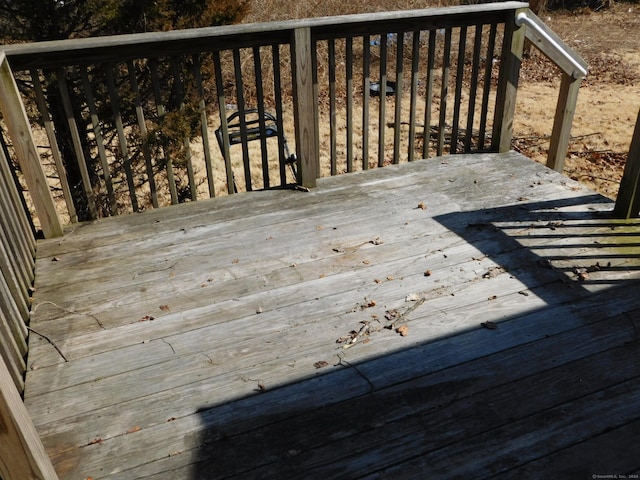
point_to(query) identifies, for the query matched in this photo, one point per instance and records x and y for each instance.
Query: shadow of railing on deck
(480, 401)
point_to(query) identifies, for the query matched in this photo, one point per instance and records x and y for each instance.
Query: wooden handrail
(574, 69)
(53, 54)
(22, 455)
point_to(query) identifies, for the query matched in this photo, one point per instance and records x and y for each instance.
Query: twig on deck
(345, 363)
(50, 341)
(100, 324)
(402, 317)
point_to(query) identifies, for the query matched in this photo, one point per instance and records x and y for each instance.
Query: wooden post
(510, 60)
(561, 133)
(17, 122)
(22, 455)
(628, 201)
(305, 107)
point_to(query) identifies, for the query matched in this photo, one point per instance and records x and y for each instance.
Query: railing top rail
(552, 46)
(53, 54)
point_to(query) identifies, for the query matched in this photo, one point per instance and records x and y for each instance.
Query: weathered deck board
(193, 332)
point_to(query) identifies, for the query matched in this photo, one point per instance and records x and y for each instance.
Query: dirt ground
(608, 101)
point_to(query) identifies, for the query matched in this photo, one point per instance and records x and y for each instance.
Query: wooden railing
(126, 123)
(21, 452)
(103, 126)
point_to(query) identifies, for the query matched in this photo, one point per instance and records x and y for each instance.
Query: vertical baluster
(97, 133)
(431, 58)
(257, 63)
(16, 262)
(382, 97)
(349, 72)
(277, 87)
(161, 113)
(444, 91)
(142, 126)
(473, 90)
(53, 142)
(124, 148)
(333, 114)
(398, 96)
(366, 86)
(186, 141)
(224, 127)
(415, 61)
(77, 144)
(18, 225)
(457, 102)
(486, 85)
(204, 123)
(242, 119)
(11, 353)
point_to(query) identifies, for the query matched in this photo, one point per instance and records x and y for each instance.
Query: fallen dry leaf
(422, 206)
(403, 330)
(236, 260)
(134, 429)
(492, 297)
(489, 325)
(55, 259)
(147, 318)
(321, 364)
(367, 304)
(428, 273)
(164, 308)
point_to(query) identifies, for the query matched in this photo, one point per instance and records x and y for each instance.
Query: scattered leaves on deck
(492, 297)
(582, 273)
(493, 272)
(321, 364)
(428, 273)
(55, 259)
(147, 318)
(165, 308)
(422, 206)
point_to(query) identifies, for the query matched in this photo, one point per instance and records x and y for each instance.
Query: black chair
(255, 128)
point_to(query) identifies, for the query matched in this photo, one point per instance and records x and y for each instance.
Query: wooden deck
(488, 311)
